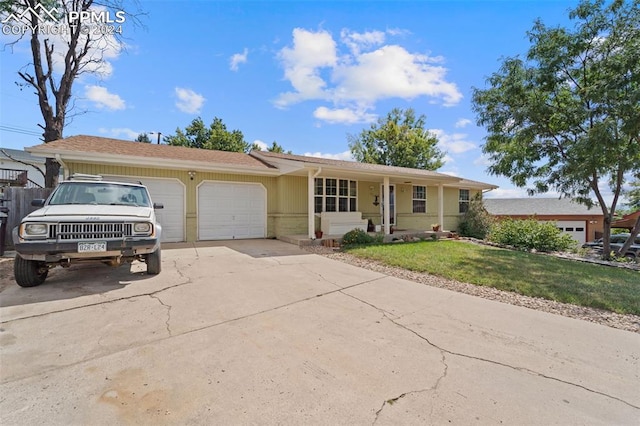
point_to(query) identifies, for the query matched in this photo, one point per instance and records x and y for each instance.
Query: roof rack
(83, 176)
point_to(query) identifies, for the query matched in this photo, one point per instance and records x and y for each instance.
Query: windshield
(100, 193)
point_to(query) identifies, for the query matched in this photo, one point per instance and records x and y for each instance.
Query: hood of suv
(103, 212)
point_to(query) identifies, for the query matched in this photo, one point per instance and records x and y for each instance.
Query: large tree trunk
(632, 237)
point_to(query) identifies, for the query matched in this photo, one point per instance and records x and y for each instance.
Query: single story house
(217, 195)
(582, 223)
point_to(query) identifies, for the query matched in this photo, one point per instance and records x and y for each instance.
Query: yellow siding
(287, 198)
(293, 195)
(270, 183)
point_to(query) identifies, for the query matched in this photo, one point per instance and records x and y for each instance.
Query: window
(333, 195)
(419, 199)
(463, 201)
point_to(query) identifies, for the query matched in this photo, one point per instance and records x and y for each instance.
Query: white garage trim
(173, 216)
(231, 219)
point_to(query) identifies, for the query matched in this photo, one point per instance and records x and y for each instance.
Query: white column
(311, 215)
(387, 206)
(441, 206)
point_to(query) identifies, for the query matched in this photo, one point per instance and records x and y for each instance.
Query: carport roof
(86, 148)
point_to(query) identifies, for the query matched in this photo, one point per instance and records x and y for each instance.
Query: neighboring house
(13, 165)
(217, 195)
(575, 219)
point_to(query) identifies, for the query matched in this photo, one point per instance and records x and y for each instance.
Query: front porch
(303, 240)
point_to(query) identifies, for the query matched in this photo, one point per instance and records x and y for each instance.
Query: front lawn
(578, 283)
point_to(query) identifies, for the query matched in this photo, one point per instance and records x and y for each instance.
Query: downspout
(65, 170)
(311, 223)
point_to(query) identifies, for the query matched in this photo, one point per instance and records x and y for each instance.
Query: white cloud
(302, 64)
(359, 72)
(103, 99)
(121, 133)
(463, 122)
(189, 101)
(238, 58)
(507, 193)
(357, 41)
(346, 155)
(447, 159)
(455, 143)
(343, 115)
(263, 146)
(483, 160)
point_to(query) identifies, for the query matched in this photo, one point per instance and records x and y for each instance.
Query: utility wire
(20, 130)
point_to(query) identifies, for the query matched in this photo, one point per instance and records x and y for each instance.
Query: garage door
(228, 211)
(576, 228)
(169, 192)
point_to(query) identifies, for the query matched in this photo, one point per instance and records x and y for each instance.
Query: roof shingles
(100, 145)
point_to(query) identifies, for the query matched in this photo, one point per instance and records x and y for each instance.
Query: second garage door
(170, 193)
(230, 210)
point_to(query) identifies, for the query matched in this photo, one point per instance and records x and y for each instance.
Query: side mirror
(38, 202)
(158, 206)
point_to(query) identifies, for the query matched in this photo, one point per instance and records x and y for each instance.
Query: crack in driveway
(156, 297)
(445, 352)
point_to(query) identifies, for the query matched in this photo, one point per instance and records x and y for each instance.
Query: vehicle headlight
(142, 228)
(35, 229)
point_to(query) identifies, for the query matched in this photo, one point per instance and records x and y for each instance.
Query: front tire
(29, 273)
(154, 261)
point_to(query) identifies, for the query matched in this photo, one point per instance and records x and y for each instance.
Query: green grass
(578, 283)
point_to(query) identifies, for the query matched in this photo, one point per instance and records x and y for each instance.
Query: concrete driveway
(259, 332)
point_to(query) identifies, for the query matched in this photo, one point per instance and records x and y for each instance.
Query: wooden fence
(18, 201)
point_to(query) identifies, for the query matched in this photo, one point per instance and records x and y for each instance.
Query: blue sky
(302, 73)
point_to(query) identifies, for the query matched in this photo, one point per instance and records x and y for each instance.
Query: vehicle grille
(90, 231)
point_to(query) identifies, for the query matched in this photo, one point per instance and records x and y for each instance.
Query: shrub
(356, 237)
(476, 222)
(530, 234)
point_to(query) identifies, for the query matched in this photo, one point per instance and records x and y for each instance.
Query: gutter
(65, 169)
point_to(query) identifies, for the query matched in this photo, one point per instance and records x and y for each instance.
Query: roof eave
(118, 159)
(288, 166)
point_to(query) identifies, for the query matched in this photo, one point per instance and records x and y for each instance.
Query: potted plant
(435, 227)
(318, 234)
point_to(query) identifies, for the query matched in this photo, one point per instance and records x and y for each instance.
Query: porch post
(387, 206)
(311, 215)
(441, 206)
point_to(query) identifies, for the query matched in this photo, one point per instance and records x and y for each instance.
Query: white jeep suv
(87, 219)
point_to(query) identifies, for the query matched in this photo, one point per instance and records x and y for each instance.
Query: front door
(392, 204)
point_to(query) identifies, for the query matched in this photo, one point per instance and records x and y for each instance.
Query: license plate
(92, 247)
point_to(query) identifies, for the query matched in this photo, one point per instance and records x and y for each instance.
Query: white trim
(266, 196)
(387, 207)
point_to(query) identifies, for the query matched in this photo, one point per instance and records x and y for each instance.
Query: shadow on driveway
(68, 283)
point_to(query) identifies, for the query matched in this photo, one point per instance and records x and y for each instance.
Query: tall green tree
(215, 136)
(399, 139)
(143, 137)
(54, 67)
(633, 194)
(566, 117)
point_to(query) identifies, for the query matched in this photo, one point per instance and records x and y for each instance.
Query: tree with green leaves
(277, 148)
(143, 137)
(399, 139)
(565, 117)
(633, 194)
(215, 136)
(56, 62)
